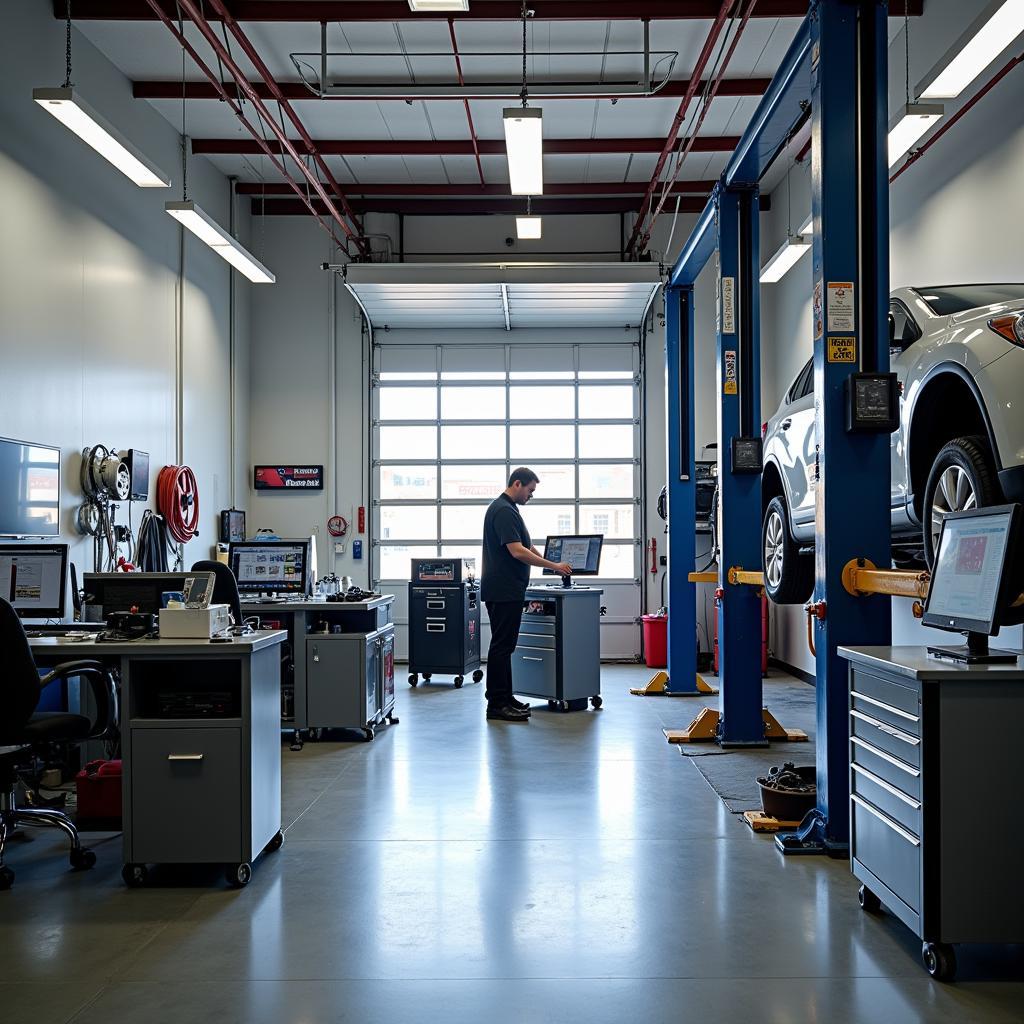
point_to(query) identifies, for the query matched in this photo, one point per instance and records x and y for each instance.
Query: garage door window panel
(458, 442)
(468, 482)
(473, 403)
(606, 441)
(608, 481)
(407, 442)
(553, 442)
(408, 483)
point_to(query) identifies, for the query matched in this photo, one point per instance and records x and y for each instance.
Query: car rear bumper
(1012, 483)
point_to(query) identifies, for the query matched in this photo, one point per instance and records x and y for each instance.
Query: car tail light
(1010, 327)
(764, 431)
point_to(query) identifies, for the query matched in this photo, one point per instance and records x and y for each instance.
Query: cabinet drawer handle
(885, 707)
(912, 741)
(184, 757)
(894, 761)
(435, 604)
(526, 657)
(435, 627)
(913, 840)
(871, 776)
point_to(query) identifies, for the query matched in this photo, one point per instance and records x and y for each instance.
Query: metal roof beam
(472, 190)
(471, 207)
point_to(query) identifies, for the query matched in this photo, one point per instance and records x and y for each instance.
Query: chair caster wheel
(596, 701)
(477, 676)
(458, 682)
(939, 960)
(135, 875)
(276, 843)
(6, 878)
(238, 875)
(368, 734)
(82, 860)
(426, 677)
(414, 679)
(393, 719)
(868, 901)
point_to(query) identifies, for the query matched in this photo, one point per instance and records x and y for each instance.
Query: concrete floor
(575, 869)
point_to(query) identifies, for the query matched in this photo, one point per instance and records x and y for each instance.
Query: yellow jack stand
(761, 822)
(704, 729)
(658, 687)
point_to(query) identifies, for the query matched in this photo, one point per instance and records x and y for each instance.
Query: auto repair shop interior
(290, 290)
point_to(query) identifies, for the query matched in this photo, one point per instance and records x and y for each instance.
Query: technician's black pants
(506, 618)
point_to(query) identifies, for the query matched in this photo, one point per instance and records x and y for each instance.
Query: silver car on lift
(958, 351)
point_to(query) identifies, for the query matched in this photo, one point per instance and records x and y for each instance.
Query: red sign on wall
(288, 478)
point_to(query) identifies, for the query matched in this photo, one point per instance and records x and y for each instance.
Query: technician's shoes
(508, 713)
(522, 705)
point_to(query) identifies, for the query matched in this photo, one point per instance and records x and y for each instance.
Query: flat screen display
(29, 489)
(277, 567)
(32, 579)
(968, 572)
(582, 552)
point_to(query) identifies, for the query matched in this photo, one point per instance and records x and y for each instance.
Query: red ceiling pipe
(296, 91)
(289, 182)
(677, 121)
(462, 147)
(470, 190)
(465, 102)
(687, 148)
(264, 72)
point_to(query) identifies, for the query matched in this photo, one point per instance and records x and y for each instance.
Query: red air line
(677, 121)
(229, 62)
(239, 113)
(700, 120)
(465, 102)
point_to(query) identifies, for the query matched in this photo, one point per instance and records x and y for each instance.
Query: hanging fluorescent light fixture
(528, 227)
(808, 229)
(438, 5)
(977, 48)
(524, 144)
(784, 259)
(913, 120)
(205, 228)
(76, 115)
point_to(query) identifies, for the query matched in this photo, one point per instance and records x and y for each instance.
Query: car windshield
(947, 300)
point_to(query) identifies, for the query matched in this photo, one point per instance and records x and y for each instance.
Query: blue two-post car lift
(836, 66)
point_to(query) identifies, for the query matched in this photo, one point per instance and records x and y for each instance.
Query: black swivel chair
(225, 587)
(22, 729)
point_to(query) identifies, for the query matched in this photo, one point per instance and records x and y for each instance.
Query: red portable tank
(99, 796)
(656, 640)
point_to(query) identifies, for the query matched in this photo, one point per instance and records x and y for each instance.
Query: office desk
(367, 625)
(200, 785)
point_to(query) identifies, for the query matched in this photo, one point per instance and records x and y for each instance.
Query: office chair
(23, 730)
(225, 587)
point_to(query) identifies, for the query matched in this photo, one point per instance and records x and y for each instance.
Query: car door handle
(786, 423)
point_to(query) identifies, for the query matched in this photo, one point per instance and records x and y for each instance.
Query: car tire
(788, 574)
(962, 477)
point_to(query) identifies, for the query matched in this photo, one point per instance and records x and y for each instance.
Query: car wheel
(962, 478)
(788, 574)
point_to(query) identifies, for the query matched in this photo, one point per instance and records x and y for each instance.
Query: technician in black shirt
(507, 556)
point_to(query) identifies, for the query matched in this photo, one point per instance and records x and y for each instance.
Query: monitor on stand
(33, 579)
(973, 581)
(277, 567)
(581, 551)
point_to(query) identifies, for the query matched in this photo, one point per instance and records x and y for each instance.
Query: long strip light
(524, 144)
(74, 113)
(784, 259)
(205, 228)
(528, 227)
(909, 125)
(438, 5)
(984, 41)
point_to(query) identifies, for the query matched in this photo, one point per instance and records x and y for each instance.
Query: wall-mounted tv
(29, 489)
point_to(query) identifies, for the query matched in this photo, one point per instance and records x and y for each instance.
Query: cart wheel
(563, 705)
(868, 901)
(552, 703)
(477, 676)
(368, 733)
(296, 744)
(82, 860)
(596, 701)
(315, 735)
(413, 678)
(458, 682)
(426, 677)
(135, 875)
(238, 875)
(393, 719)
(276, 843)
(6, 878)
(939, 960)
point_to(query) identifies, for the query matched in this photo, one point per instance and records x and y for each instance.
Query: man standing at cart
(508, 554)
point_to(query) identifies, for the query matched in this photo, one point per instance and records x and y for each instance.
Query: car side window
(804, 383)
(903, 327)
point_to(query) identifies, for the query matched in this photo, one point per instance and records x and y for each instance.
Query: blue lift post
(851, 283)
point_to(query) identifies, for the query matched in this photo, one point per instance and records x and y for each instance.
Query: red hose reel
(178, 502)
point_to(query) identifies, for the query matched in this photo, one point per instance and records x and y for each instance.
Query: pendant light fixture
(524, 140)
(68, 107)
(192, 216)
(788, 254)
(913, 119)
(528, 227)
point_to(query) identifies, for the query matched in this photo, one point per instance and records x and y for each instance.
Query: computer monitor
(30, 495)
(581, 551)
(280, 567)
(972, 584)
(33, 579)
(107, 592)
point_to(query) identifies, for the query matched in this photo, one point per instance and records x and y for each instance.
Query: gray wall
(950, 218)
(91, 270)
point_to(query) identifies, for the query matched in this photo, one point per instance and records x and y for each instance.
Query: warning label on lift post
(728, 305)
(729, 385)
(840, 307)
(842, 349)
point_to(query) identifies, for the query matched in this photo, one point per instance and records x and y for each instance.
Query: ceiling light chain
(67, 76)
(523, 95)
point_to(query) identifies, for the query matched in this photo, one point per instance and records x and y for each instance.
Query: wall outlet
(339, 547)
(663, 560)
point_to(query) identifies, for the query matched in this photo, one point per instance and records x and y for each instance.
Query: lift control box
(872, 403)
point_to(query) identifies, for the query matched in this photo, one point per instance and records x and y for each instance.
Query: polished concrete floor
(575, 869)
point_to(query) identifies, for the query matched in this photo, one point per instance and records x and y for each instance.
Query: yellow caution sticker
(842, 349)
(729, 383)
